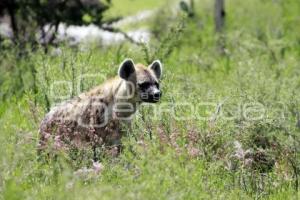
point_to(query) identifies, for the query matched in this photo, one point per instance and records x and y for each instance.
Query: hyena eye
(144, 85)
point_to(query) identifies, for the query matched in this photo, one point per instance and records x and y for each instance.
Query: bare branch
(116, 30)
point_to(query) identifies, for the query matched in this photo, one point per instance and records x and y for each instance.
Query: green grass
(260, 69)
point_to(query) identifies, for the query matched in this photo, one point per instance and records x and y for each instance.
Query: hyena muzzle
(95, 118)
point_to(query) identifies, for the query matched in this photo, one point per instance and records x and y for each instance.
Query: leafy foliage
(26, 17)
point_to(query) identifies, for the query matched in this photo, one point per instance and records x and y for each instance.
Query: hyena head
(144, 80)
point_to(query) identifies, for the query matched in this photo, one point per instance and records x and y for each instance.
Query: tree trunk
(11, 12)
(219, 15)
(219, 25)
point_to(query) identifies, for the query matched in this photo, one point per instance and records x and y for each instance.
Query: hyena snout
(152, 96)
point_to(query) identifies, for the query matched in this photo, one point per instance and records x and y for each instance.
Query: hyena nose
(157, 94)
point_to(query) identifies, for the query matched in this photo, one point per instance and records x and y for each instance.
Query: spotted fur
(95, 118)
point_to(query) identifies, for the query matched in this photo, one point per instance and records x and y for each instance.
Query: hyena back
(95, 118)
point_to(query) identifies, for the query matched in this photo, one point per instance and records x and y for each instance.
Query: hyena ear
(156, 67)
(126, 69)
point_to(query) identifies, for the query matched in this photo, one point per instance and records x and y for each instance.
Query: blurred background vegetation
(228, 53)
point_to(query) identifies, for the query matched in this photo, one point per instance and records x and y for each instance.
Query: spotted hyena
(95, 118)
